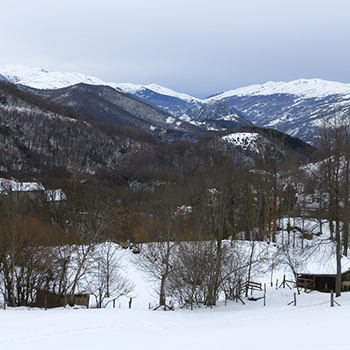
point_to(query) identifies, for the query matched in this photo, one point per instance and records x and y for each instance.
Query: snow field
(311, 324)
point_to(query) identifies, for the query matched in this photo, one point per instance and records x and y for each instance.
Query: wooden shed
(46, 299)
(322, 282)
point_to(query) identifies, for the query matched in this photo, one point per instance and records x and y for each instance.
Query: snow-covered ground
(311, 324)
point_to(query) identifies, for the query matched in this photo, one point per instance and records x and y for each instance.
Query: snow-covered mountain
(295, 107)
(43, 79)
(215, 115)
(304, 88)
(155, 95)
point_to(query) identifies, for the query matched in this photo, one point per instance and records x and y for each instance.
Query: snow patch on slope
(135, 88)
(246, 140)
(306, 88)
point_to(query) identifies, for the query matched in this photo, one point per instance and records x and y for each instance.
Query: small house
(29, 192)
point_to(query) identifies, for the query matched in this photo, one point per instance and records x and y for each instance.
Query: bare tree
(334, 173)
(156, 258)
(106, 279)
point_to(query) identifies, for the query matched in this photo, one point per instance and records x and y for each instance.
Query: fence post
(45, 302)
(113, 303)
(264, 299)
(276, 284)
(332, 299)
(264, 287)
(295, 299)
(130, 302)
(284, 281)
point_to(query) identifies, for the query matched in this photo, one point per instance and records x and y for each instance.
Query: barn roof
(324, 266)
(7, 186)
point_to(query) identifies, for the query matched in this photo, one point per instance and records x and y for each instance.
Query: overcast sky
(200, 47)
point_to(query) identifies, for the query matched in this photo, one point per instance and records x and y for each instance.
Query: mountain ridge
(309, 88)
(297, 107)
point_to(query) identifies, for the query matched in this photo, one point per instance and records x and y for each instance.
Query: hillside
(215, 116)
(106, 104)
(35, 136)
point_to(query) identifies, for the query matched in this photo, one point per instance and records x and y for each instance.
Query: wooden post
(130, 302)
(113, 303)
(284, 281)
(295, 299)
(264, 287)
(264, 299)
(332, 299)
(276, 284)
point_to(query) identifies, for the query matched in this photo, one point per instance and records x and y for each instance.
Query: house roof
(7, 186)
(55, 195)
(327, 266)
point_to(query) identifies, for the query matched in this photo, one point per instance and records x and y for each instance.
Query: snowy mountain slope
(164, 99)
(305, 88)
(215, 115)
(2, 78)
(134, 89)
(157, 96)
(108, 105)
(299, 117)
(43, 79)
(246, 140)
(295, 107)
(35, 136)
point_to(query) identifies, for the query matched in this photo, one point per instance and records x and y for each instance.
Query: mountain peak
(40, 78)
(306, 88)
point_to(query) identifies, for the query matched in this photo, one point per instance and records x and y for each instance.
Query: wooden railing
(306, 283)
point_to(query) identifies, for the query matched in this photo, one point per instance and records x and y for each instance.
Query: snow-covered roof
(328, 266)
(55, 195)
(7, 186)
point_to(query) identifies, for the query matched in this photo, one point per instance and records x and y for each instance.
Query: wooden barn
(46, 299)
(322, 282)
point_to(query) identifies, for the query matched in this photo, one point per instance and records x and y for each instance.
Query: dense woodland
(181, 206)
